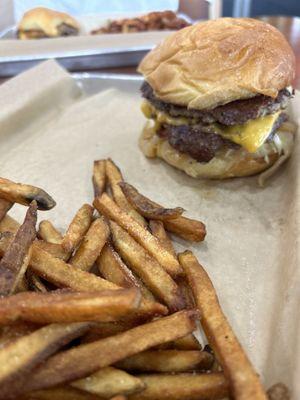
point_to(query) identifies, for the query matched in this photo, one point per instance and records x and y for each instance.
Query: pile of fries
(108, 310)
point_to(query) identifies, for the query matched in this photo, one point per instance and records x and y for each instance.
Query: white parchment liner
(49, 136)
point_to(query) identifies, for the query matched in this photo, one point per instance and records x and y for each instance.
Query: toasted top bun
(219, 61)
(46, 20)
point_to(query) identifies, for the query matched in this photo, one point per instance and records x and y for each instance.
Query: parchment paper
(252, 248)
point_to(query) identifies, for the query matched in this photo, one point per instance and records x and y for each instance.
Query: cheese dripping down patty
(251, 135)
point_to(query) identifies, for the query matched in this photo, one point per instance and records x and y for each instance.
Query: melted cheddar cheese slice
(250, 135)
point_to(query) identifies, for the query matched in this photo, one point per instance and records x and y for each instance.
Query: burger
(41, 22)
(214, 96)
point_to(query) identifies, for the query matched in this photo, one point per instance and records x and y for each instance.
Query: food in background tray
(154, 21)
(40, 23)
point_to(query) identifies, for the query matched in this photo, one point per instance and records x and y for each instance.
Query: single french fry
(158, 230)
(25, 194)
(64, 275)
(64, 306)
(12, 265)
(55, 249)
(18, 359)
(167, 361)
(10, 333)
(186, 228)
(109, 208)
(112, 268)
(108, 382)
(99, 177)
(5, 206)
(147, 268)
(91, 245)
(8, 224)
(114, 177)
(78, 228)
(146, 207)
(82, 360)
(244, 381)
(183, 387)
(49, 233)
(188, 342)
(61, 393)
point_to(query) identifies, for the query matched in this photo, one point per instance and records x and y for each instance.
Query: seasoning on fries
(101, 283)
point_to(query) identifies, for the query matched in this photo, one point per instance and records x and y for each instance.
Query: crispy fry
(78, 228)
(64, 275)
(114, 177)
(49, 233)
(158, 230)
(91, 245)
(10, 333)
(188, 342)
(14, 263)
(18, 358)
(112, 268)
(110, 209)
(243, 380)
(167, 361)
(5, 206)
(64, 306)
(99, 177)
(56, 250)
(108, 382)
(186, 228)
(182, 387)
(81, 361)
(102, 330)
(25, 194)
(147, 268)
(8, 224)
(61, 393)
(146, 207)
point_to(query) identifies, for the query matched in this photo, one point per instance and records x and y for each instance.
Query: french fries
(8, 224)
(112, 268)
(147, 268)
(18, 358)
(64, 275)
(49, 233)
(25, 194)
(182, 387)
(78, 228)
(91, 245)
(5, 206)
(168, 361)
(114, 177)
(119, 327)
(243, 380)
(64, 306)
(14, 262)
(146, 207)
(80, 361)
(108, 382)
(61, 393)
(158, 230)
(99, 177)
(109, 208)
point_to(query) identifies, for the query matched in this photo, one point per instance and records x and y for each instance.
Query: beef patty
(233, 113)
(201, 142)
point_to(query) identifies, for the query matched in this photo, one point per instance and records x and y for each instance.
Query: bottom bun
(226, 164)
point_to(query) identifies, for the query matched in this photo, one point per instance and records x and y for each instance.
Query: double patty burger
(215, 95)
